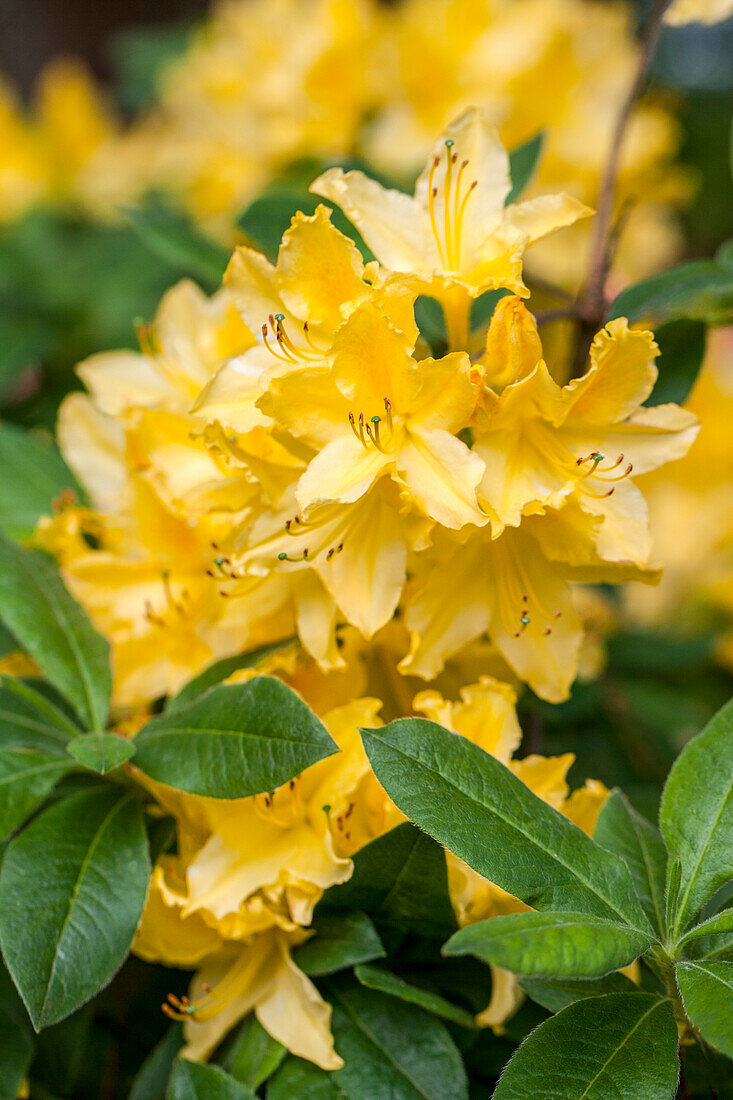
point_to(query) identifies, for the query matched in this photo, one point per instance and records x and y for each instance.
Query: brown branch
(592, 304)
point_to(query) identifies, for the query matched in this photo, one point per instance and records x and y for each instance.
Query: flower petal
(443, 475)
(343, 471)
(538, 217)
(93, 445)
(318, 269)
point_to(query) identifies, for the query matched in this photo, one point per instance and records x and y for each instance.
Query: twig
(592, 304)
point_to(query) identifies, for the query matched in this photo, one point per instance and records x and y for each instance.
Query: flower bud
(513, 346)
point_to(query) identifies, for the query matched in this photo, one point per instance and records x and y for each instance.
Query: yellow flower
(455, 238)
(541, 443)
(242, 890)
(486, 716)
(698, 11)
(516, 588)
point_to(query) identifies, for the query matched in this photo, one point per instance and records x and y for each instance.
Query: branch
(592, 304)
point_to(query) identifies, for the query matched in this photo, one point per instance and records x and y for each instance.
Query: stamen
(432, 195)
(388, 410)
(447, 183)
(272, 351)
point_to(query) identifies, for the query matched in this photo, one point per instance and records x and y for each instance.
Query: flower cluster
(287, 458)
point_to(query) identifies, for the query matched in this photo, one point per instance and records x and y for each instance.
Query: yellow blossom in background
(698, 11)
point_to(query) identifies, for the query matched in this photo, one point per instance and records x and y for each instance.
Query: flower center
(449, 234)
(289, 351)
(369, 432)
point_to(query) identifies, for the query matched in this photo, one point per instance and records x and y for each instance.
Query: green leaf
(701, 290)
(34, 473)
(30, 718)
(254, 1054)
(622, 1045)
(696, 815)
(551, 945)
(522, 164)
(218, 671)
(192, 1081)
(150, 1082)
(172, 236)
(26, 777)
(707, 994)
(557, 993)
(623, 831)
(81, 869)
(16, 1051)
(714, 926)
(392, 1049)
(234, 741)
(101, 752)
(399, 879)
(56, 632)
(384, 981)
(340, 941)
(681, 353)
(304, 1081)
(484, 814)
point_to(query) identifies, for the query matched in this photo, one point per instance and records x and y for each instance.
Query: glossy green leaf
(696, 815)
(26, 777)
(297, 1078)
(523, 163)
(152, 1078)
(392, 1049)
(701, 290)
(681, 353)
(34, 473)
(234, 741)
(193, 1081)
(622, 1045)
(81, 868)
(623, 831)
(557, 993)
(101, 752)
(483, 813)
(172, 236)
(16, 1051)
(30, 719)
(551, 945)
(399, 879)
(340, 941)
(384, 981)
(218, 671)
(56, 631)
(254, 1054)
(707, 994)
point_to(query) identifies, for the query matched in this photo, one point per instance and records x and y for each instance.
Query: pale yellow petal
(318, 269)
(621, 376)
(343, 471)
(538, 217)
(506, 997)
(93, 446)
(123, 380)
(316, 618)
(443, 474)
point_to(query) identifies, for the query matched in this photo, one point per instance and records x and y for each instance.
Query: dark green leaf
(622, 1045)
(551, 945)
(81, 869)
(556, 993)
(399, 879)
(101, 752)
(623, 831)
(192, 1081)
(484, 814)
(707, 993)
(701, 290)
(61, 1052)
(29, 718)
(138, 55)
(522, 164)
(392, 1049)
(431, 322)
(696, 815)
(26, 777)
(254, 1054)
(234, 741)
(172, 236)
(340, 941)
(150, 1083)
(384, 981)
(304, 1081)
(218, 671)
(681, 354)
(34, 473)
(716, 925)
(56, 632)
(16, 1051)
